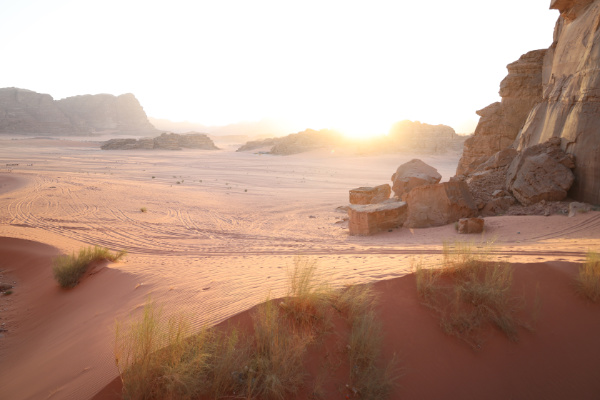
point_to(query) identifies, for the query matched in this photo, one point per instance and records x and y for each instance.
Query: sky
(355, 66)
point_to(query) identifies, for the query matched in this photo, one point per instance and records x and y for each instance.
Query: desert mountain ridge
(24, 111)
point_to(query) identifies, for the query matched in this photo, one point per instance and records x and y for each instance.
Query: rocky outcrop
(440, 204)
(413, 174)
(166, 141)
(306, 141)
(26, 112)
(258, 144)
(541, 172)
(421, 137)
(372, 218)
(570, 107)
(370, 195)
(500, 122)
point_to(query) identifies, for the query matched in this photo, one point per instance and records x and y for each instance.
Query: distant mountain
(262, 128)
(27, 112)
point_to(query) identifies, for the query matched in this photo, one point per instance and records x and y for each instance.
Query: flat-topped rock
(369, 219)
(370, 195)
(166, 141)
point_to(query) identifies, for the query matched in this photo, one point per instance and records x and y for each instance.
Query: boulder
(413, 174)
(369, 219)
(540, 172)
(370, 195)
(440, 204)
(470, 225)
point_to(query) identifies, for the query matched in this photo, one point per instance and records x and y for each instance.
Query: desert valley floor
(220, 230)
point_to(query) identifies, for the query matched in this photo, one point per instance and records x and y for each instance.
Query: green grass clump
(588, 279)
(68, 269)
(469, 292)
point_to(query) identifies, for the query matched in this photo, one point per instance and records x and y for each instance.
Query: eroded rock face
(413, 174)
(440, 204)
(372, 218)
(500, 122)
(166, 141)
(370, 195)
(570, 107)
(24, 111)
(541, 172)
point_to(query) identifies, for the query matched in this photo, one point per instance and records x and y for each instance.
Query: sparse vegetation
(143, 209)
(588, 279)
(469, 292)
(153, 177)
(8, 292)
(158, 359)
(68, 269)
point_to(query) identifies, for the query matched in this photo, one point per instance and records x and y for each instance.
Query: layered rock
(570, 106)
(372, 218)
(26, 112)
(422, 137)
(166, 141)
(370, 195)
(307, 140)
(413, 174)
(440, 204)
(500, 122)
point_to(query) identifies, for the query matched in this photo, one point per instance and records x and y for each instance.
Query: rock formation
(166, 141)
(372, 218)
(570, 108)
(370, 195)
(559, 97)
(440, 204)
(306, 141)
(500, 122)
(27, 112)
(422, 137)
(411, 175)
(540, 172)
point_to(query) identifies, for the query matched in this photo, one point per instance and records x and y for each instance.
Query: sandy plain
(220, 230)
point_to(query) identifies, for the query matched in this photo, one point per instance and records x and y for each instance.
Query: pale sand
(214, 247)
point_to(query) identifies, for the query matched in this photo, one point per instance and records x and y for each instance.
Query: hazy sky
(353, 65)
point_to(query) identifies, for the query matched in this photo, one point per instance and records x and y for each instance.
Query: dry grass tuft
(158, 358)
(470, 292)
(69, 269)
(588, 279)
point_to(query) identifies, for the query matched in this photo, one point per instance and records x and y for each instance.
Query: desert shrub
(469, 292)
(144, 209)
(588, 278)
(68, 269)
(369, 379)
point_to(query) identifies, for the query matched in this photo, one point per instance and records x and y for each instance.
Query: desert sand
(219, 232)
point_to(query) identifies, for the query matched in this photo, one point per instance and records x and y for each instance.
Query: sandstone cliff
(166, 141)
(500, 122)
(561, 96)
(27, 112)
(570, 107)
